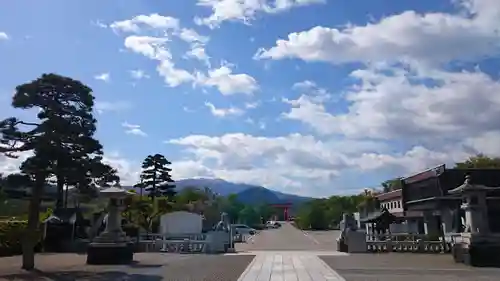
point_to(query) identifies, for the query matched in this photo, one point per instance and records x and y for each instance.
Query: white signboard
(181, 223)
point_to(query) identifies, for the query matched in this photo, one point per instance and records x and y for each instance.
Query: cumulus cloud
(156, 48)
(306, 165)
(105, 77)
(133, 129)
(245, 11)
(138, 74)
(140, 22)
(114, 106)
(224, 112)
(228, 83)
(3, 36)
(429, 37)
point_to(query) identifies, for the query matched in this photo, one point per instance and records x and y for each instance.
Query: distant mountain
(219, 186)
(258, 195)
(246, 193)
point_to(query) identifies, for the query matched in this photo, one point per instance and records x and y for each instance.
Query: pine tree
(61, 141)
(156, 178)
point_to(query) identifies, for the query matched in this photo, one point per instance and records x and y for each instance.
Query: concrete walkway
(288, 266)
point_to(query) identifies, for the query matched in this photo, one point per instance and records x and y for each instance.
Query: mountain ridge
(246, 193)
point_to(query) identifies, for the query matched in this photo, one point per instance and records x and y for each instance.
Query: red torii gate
(285, 207)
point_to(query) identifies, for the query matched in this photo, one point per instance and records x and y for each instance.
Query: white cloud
(429, 38)
(152, 21)
(138, 74)
(252, 105)
(133, 129)
(115, 106)
(3, 36)
(156, 48)
(388, 104)
(313, 91)
(227, 82)
(303, 164)
(191, 36)
(99, 24)
(198, 52)
(224, 112)
(245, 10)
(103, 77)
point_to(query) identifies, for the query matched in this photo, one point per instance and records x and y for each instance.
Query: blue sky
(309, 97)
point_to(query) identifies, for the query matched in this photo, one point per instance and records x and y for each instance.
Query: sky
(309, 97)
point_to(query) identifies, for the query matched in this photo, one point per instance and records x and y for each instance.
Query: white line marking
(310, 237)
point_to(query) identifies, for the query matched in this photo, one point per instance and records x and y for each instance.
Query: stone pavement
(148, 267)
(289, 238)
(288, 266)
(407, 267)
(276, 254)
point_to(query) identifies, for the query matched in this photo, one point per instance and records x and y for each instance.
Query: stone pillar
(447, 220)
(430, 224)
(114, 223)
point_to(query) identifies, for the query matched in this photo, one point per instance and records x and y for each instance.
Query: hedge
(10, 237)
(11, 233)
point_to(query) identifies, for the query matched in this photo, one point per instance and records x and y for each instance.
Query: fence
(414, 243)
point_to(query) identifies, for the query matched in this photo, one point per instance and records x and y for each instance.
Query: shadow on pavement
(80, 275)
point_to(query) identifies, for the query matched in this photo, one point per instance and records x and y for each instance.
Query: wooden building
(427, 193)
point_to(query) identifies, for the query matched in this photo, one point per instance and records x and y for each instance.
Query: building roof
(468, 186)
(382, 215)
(432, 172)
(391, 195)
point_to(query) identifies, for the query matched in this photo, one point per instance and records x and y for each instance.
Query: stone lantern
(476, 246)
(474, 205)
(112, 246)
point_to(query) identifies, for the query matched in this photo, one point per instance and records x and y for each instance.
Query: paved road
(407, 267)
(147, 267)
(289, 238)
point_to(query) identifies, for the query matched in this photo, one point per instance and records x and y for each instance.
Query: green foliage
(249, 216)
(391, 185)
(327, 213)
(11, 232)
(191, 194)
(143, 213)
(480, 161)
(232, 207)
(156, 178)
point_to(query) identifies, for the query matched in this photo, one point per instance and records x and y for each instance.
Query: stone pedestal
(112, 246)
(477, 250)
(110, 253)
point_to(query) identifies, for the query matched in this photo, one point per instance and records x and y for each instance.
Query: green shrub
(131, 230)
(11, 232)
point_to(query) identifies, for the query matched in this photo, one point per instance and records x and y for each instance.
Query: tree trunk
(31, 236)
(66, 197)
(60, 193)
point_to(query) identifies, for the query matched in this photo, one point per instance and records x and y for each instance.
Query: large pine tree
(60, 139)
(156, 178)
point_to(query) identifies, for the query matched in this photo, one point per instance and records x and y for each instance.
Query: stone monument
(220, 240)
(476, 246)
(112, 246)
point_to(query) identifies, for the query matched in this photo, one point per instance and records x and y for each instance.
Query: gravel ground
(148, 267)
(407, 267)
